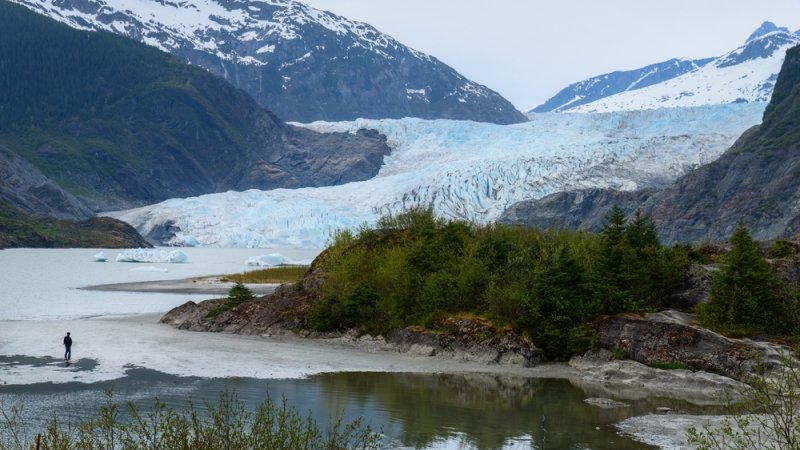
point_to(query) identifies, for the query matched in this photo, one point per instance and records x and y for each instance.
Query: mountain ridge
(302, 63)
(746, 74)
(115, 124)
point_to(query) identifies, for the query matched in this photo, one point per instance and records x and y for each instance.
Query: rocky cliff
(757, 180)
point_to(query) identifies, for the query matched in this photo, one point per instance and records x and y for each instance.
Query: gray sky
(527, 50)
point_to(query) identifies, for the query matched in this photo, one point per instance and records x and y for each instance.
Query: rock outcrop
(670, 338)
(283, 313)
(586, 209)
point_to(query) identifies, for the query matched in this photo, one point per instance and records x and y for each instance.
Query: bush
(226, 425)
(768, 417)
(237, 294)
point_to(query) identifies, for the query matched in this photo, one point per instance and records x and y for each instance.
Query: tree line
(416, 269)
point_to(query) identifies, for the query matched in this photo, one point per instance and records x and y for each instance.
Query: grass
(278, 275)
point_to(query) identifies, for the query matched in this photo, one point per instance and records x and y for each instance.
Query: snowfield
(735, 77)
(463, 170)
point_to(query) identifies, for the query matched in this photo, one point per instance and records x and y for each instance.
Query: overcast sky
(527, 50)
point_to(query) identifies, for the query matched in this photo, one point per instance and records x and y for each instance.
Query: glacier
(462, 170)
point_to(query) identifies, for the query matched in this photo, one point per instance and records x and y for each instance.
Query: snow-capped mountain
(304, 64)
(461, 169)
(746, 74)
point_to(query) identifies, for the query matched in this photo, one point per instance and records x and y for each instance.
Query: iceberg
(152, 256)
(275, 259)
(100, 257)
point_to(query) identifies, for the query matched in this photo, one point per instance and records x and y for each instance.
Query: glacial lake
(140, 360)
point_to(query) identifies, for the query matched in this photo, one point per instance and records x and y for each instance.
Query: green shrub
(237, 294)
(224, 425)
(780, 249)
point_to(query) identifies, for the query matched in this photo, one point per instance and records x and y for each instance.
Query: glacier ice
(275, 259)
(463, 170)
(152, 256)
(100, 257)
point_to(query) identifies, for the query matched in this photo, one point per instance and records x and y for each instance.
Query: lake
(423, 403)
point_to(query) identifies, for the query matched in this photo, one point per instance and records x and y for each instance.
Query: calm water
(433, 411)
(414, 410)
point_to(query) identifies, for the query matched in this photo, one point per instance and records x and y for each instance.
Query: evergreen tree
(614, 272)
(651, 267)
(556, 303)
(745, 293)
(641, 232)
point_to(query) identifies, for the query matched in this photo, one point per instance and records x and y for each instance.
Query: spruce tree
(744, 295)
(614, 272)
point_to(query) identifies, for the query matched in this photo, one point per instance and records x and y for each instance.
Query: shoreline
(624, 379)
(112, 345)
(207, 285)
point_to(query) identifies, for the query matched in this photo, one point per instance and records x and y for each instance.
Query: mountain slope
(602, 86)
(18, 229)
(118, 124)
(461, 170)
(746, 74)
(300, 62)
(757, 180)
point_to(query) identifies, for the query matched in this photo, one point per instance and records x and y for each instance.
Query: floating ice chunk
(275, 259)
(148, 269)
(152, 256)
(100, 257)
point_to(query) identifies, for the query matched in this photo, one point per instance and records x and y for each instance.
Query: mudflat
(212, 285)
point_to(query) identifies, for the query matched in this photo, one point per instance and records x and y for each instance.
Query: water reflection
(486, 412)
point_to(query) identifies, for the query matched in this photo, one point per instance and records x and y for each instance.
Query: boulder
(670, 337)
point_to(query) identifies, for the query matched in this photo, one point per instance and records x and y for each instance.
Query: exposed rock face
(575, 209)
(24, 186)
(668, 337)
(467, 340)
(627, 379)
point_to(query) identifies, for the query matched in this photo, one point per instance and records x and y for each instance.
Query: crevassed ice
(464, 170)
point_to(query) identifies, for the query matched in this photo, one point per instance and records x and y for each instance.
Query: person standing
(68, 347)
